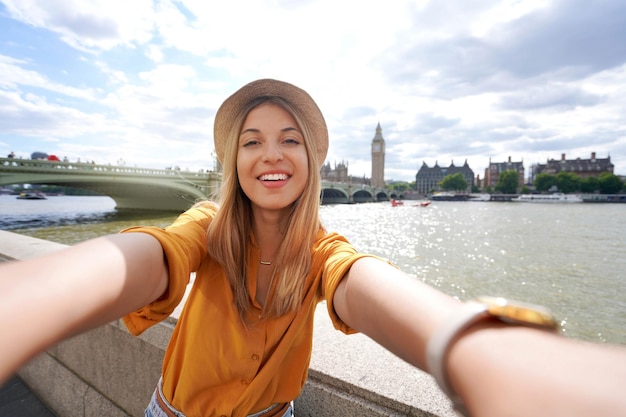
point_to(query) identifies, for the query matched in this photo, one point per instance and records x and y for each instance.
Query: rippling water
(70, 219)
(569, 257)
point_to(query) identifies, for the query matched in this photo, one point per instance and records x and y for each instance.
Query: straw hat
(295, 96)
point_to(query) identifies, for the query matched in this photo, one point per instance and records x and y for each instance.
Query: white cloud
(89, 25)
(15, 73)
(454, 80)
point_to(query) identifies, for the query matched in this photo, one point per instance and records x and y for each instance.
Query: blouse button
(244, 382)
(255, 357)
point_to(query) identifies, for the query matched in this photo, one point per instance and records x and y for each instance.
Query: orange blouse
(215, 366)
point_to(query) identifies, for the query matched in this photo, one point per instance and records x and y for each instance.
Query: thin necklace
(265, 263)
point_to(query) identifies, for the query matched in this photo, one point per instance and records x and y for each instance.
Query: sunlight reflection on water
(568, 257)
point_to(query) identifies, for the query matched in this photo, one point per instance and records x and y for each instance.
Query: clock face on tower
(376, 147)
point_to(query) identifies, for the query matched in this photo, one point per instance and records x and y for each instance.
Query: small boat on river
(31, 196)
(421, 203)
(548, 198)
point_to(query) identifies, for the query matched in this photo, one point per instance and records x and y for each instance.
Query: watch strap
(507, 311)
(440, 342)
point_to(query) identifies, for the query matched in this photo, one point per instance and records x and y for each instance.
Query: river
(570, 257)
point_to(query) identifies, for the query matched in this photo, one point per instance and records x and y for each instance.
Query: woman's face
(272, 164)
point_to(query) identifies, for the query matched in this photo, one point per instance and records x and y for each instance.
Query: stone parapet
(108, 372)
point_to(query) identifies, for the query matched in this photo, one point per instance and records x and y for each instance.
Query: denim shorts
(155, 410)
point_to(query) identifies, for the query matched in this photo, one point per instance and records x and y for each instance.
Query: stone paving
(17, 400)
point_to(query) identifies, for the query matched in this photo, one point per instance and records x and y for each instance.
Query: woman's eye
(250, 142)
(293, 141)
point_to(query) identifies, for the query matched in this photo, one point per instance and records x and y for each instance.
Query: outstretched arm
(498, 370)
(74, 290)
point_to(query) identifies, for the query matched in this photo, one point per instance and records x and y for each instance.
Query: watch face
(518, 312)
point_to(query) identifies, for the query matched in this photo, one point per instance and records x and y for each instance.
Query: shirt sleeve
(339, 256)
(184, 247)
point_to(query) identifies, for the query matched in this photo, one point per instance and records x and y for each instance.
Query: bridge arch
(334, 196)
(362, 196)
(383, 196)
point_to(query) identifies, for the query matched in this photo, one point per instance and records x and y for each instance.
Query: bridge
(349, 193)
(151, 189)
(131, 188)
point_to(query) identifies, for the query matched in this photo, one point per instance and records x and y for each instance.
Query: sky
(138, 82)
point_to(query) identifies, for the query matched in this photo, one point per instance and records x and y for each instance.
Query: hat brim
(295, 96)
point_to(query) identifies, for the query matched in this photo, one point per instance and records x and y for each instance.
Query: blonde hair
(229, 233)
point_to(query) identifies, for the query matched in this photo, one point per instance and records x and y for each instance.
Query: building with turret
(337, 174)
(378, 159)
(340, 174)
(428, 178)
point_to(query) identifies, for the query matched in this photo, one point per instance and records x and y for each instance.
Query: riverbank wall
(109, 372)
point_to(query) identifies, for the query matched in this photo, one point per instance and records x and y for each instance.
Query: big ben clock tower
(378, 159)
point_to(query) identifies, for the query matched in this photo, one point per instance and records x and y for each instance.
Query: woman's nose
(272, 153)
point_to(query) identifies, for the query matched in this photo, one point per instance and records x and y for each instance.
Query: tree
(543, 182)
(453, 182)
(567, 182)
(399, 186)
(507, 182)
(610, 183)
(590, 185)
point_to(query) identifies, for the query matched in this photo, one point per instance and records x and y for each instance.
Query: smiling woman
(263, 262)
(271, 161)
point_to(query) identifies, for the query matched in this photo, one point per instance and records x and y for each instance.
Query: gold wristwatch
(508, 311)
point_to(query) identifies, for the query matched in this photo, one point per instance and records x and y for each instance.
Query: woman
(263, 261)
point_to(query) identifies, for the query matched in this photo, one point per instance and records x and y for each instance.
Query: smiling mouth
(273, 177)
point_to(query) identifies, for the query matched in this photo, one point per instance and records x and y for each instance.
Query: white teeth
(273, 177)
